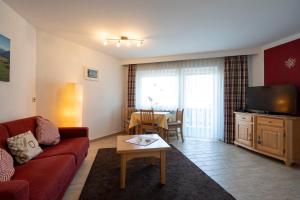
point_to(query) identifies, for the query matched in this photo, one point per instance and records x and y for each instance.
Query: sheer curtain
(195, 85)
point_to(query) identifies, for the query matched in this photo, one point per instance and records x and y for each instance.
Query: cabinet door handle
(258, 140)
(250, 137)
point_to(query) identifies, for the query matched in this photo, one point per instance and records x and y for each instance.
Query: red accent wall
(276, 71)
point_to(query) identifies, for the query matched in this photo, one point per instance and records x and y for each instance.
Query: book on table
(142, 140)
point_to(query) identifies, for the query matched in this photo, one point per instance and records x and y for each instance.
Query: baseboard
(108, 135)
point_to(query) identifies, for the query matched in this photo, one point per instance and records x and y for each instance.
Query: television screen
(281, 99)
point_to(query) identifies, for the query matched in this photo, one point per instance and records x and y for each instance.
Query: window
(196, 86)
(157, 89)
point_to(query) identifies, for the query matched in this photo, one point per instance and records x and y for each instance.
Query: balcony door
(196, 86)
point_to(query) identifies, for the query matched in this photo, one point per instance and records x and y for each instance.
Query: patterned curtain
(235, 84)
(131, 85)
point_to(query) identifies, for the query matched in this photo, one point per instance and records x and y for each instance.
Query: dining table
(160, 119)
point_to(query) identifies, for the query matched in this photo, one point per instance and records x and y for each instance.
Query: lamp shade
(70, 105)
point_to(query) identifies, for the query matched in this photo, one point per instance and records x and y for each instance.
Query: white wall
(16, 95)
(60, 61)
(256, 70)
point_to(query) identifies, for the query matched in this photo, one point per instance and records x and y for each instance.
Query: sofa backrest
(21, 126)
(3, 136)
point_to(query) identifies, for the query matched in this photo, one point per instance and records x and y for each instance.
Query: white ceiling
(169, 27)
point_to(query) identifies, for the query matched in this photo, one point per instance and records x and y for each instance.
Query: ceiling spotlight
(123, 39)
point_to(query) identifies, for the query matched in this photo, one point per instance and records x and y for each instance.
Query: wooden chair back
(174, 126)
(179, 115)
(147, 120)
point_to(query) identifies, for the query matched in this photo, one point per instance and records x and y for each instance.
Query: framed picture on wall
(4, 58)
(91, 73)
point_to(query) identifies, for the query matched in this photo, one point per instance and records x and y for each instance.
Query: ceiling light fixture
(123, 39)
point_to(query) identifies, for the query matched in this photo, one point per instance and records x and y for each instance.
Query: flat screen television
(278, 99)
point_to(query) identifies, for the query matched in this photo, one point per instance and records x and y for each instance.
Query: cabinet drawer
(246, 118)
(270, 121)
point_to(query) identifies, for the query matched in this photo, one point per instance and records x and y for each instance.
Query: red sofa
(49, 174)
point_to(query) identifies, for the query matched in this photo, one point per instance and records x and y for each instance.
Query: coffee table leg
(163, 167)
(123, 171)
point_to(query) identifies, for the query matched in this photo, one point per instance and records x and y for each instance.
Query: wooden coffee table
(129, 151)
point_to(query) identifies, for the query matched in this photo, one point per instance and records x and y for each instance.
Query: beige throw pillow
(46, 132)
(24, 147)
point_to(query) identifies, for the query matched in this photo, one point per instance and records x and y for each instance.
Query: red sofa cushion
(47, 177)
(74, 146)
(14, 190)
(3, 136)
(21, 126)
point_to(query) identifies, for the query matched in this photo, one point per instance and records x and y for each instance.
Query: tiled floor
(244, 174)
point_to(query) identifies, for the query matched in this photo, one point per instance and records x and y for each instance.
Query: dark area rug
(184, 180)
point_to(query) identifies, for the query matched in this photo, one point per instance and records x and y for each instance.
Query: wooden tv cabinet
(277, 136)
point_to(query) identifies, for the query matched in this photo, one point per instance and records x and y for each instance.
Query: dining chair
(175, 125)
(126, 118)
(147, 123)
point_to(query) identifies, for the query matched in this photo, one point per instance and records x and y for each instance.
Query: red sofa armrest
(73, 132)
(14, 190)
